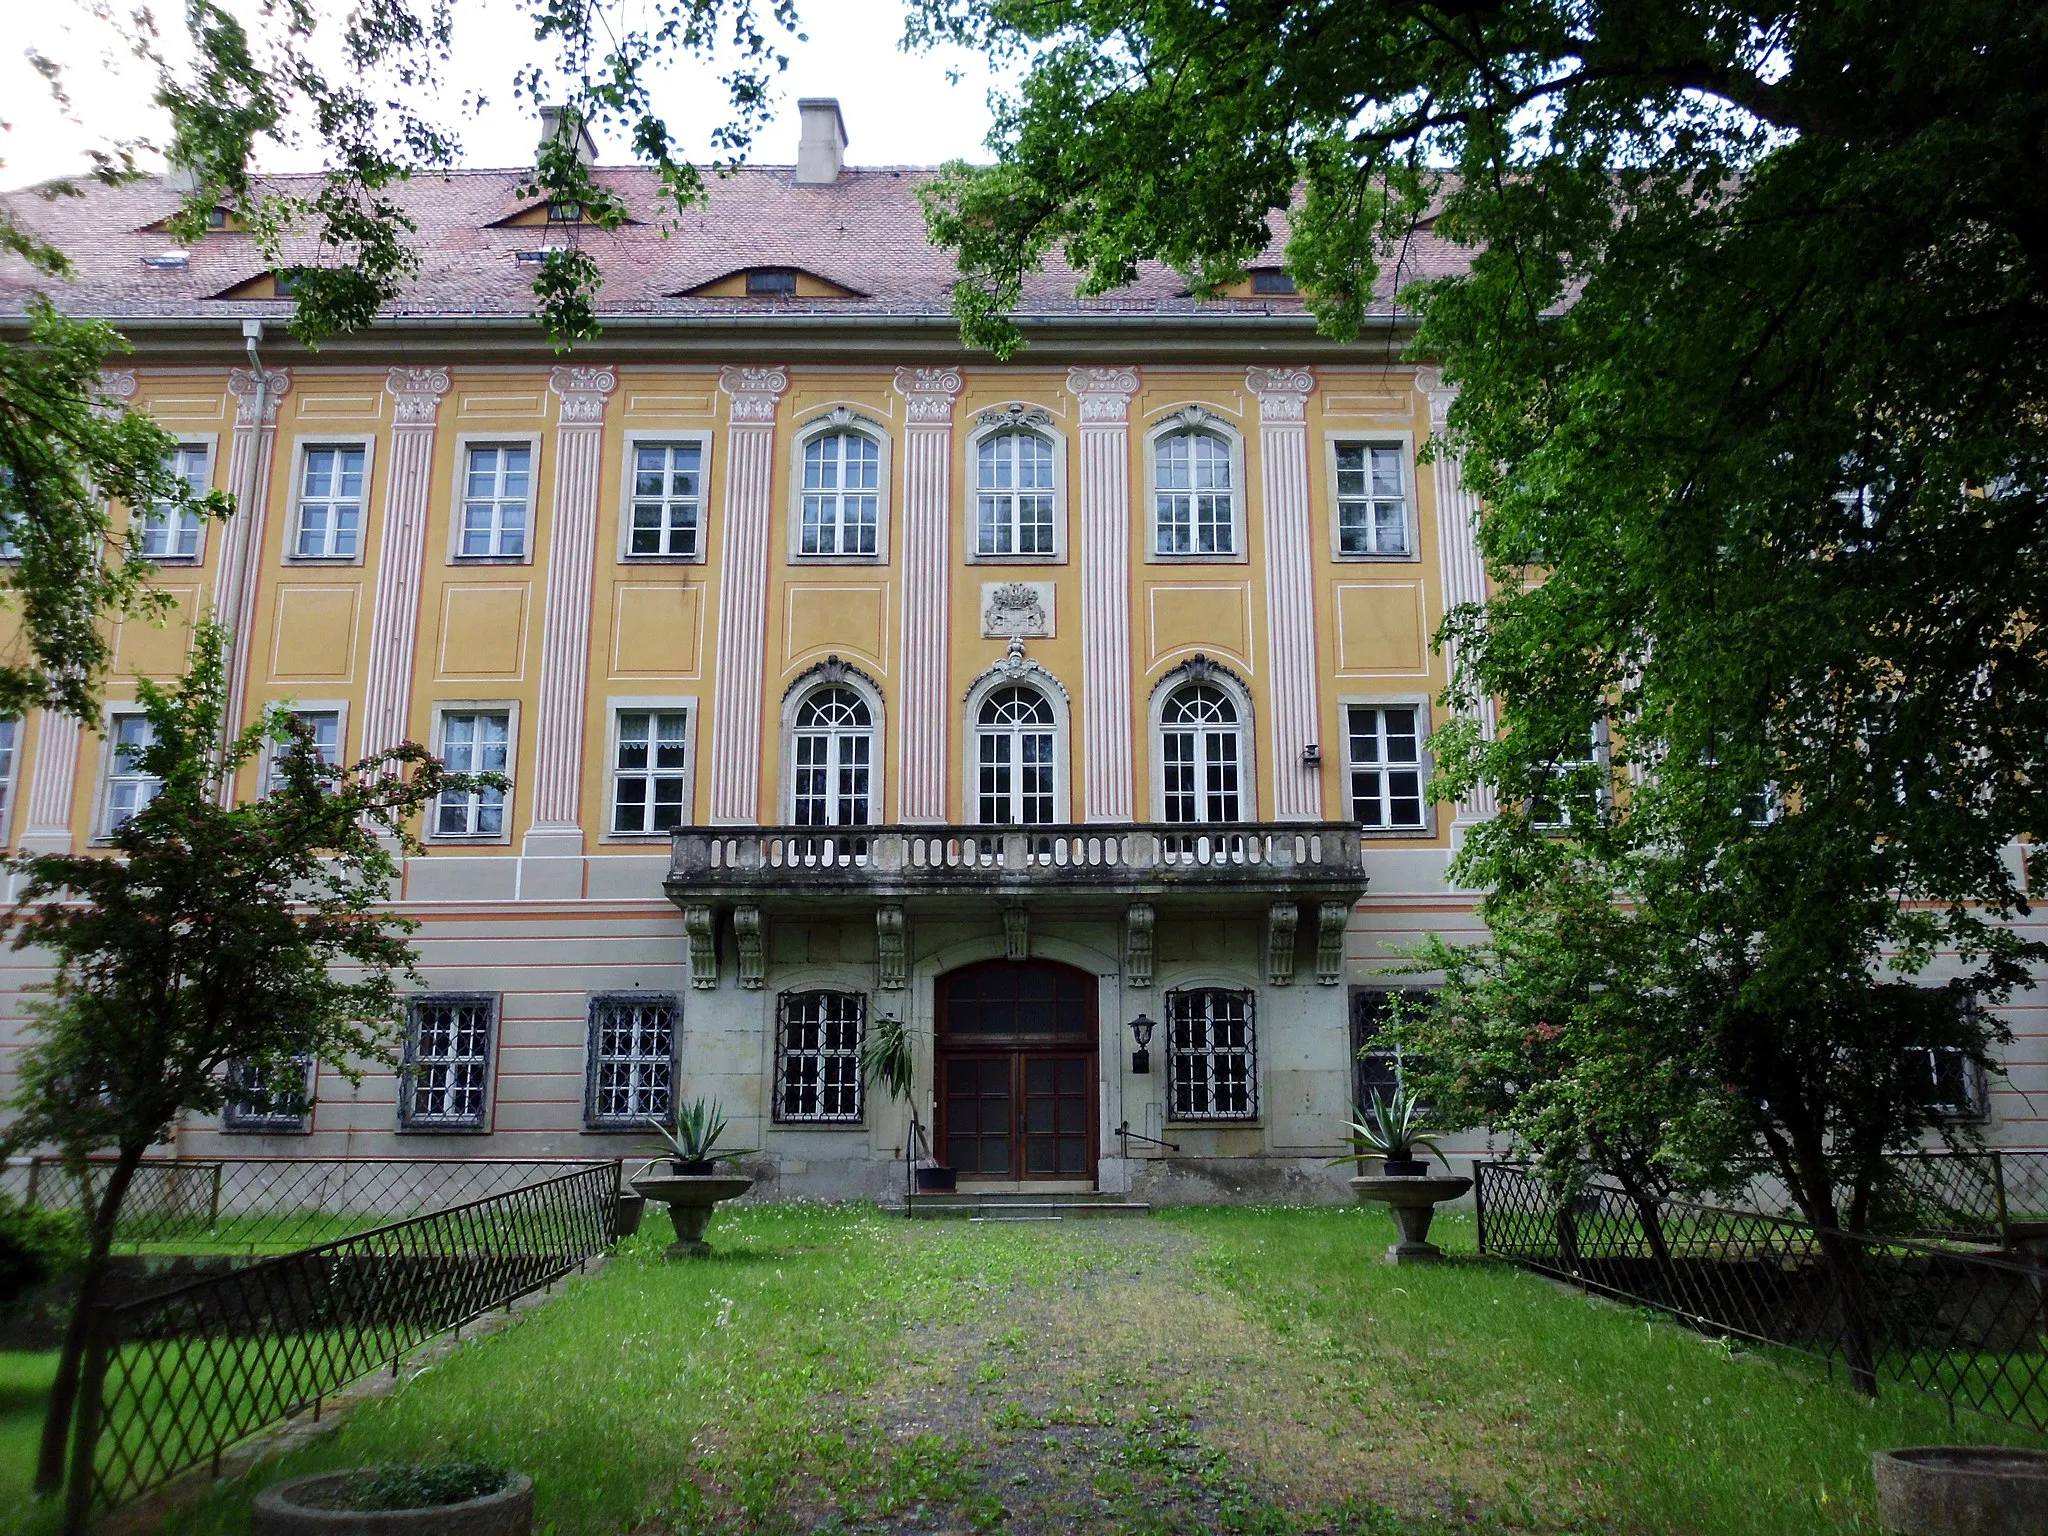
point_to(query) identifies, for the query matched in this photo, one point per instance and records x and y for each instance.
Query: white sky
(900, 109)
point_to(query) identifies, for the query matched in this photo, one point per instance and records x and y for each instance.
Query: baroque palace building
(840, 675)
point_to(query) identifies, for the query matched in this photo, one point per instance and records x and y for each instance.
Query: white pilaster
(1105, 502)
(1462, 570)
(743, 593)
(47, 825)
(921, 714)
(1290, 587)
(401, 543)
(257, 398)
(553, 846)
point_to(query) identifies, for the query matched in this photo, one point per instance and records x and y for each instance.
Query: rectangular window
(650, 778)
(817, 1057)
(10, 748)
(1213, 1063)
(1552, 809)
(258, 1106)
(331, 504)
(129, 789)
(447, 1063)
(631, 1068)
(668, 500)
(494, 501)
(325, 726)
(1385, 748)
(170, 532)
(842, 494)
(773, 283)
(1376, 1066)
(473, 742)
(1197, 513)
(1372, 500)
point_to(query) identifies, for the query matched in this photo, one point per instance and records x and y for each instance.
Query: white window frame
(640, 438)
(1031, 423)
(614, 708)
(1055, 694)
(459, 494)
(1247, 739)
(1403, 444)
(846, 1057)
(1196, 418)
(595, 1060)
(335, 707)
(506, 707)
(806, 684)
(841, 419)
(1175, 1115)
(15, 729)
(103, 799)
(1424, 765)
(304, 447)
(410, 1121)
(1605, 790)
(210, 441)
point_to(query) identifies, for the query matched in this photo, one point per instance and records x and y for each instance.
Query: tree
(201, 954)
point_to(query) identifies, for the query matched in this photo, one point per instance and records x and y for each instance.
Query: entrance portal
(1016, 1071)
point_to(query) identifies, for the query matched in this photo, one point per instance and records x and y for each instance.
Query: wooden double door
(1016, 1071)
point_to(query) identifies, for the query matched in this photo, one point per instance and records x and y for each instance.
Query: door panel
(1057, 1116)
(978, 1114)
(1016, 1067)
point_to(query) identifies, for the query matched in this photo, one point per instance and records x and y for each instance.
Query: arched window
(835, 746)
(1015, 479)
(1197, 514)
(1202, 752)
(1014, 752)
(842, 494)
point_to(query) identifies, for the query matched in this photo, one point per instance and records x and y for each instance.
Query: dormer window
(771, 283)
(216, 217)
(1272, 280)
(565, 210)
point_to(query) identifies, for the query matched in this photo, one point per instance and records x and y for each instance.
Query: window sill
(490, 559)
(1159, 559)
(1344, 557)
(1056, 558)
(451, 840)
(635, 839)
(661, 559)
(186, 560)
(323, 560)
(1217, 1125)
(817, 1125)
(434, 1129)
(875, 559)
(1389, 834)
(267, 1130)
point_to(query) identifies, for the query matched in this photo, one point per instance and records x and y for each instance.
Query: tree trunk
(64, 1390)
(1804, 1168)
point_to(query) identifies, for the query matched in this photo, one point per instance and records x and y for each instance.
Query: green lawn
(1213, 1370)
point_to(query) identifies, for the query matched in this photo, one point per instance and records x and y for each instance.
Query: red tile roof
(865, 232)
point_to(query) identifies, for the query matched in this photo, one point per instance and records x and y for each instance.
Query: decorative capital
(754, 391)
(1430, 380)
(584, 392)
(1104, 393)
(117, 388)
(258, 395)
(1283, 392)
(929, 393)
(418, 393)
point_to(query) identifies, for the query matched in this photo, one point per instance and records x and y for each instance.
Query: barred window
(257, 1105)
(447, 1063)
(1376, 1065)
(1210, 1040)
(817, 1057)
(631, 1065)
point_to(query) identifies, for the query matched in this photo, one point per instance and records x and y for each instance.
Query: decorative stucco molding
(928, 394)
(1282, 392)
(1139, 922)
(1016, 933)
(701, 923)
(1012, 416)
(258, 395)
(889, 947)
(830, 670)
(1282, 919)
(746, 931)
(1016, 610)
(755, 392)
(1332, 917)
(1104, 393)
(1016, 667)
(417, 394)
(583, 392)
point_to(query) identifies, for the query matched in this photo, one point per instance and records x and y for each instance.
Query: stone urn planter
(306, 1506)
(1413, 1199)
(690, 1198)
(1957, 1490)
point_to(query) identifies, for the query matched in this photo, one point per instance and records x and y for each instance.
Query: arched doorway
(1016, 1071)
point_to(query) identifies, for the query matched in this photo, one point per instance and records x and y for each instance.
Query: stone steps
(1026, 1205)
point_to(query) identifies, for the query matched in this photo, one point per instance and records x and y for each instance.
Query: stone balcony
(1296, 875)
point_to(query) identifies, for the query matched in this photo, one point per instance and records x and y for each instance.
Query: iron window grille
(169, 532)
(257, 1107)
(649, 775)
(1212, 1054)
(443, 1080)
(331, 504)
(817, 1057)
(630, 1077)
(842, 494)
(668, 499)
(1196, 511)
(1015, 474)
(1386, 765)
(1372, 500)
(494, 501)
(1376, 1065)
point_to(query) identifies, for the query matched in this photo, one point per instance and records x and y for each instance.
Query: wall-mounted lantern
(1141, 1058)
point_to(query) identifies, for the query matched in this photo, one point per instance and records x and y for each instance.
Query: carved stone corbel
(1138, 922)
(746, 928)
(889, 949)
(1016, 933)
(701, 923)
(1282, 918)
(1332, 917)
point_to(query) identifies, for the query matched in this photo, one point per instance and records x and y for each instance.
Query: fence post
(213, 1201)
(85, 1435)
(1998, 1196)
(1479, 1200)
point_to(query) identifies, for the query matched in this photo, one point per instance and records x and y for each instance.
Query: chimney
(559, 122)
(820, 152)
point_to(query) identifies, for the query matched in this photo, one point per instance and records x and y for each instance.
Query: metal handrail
(1128, 1134)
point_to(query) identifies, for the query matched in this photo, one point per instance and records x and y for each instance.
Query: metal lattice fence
(173, 1380)
(1967, 1327)
(254, 1205)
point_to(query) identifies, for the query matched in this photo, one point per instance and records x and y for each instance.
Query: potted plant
(1392, 1129)
(462, 1498)
(693, 1144)
(885, 1058)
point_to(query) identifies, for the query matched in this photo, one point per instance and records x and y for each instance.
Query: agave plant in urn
(1394, 1128)
(693, 1185)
